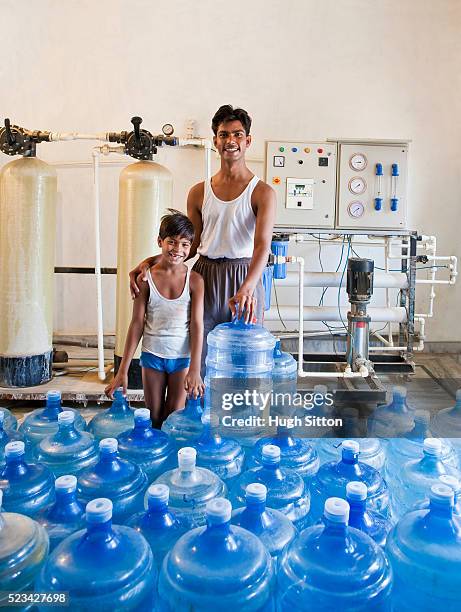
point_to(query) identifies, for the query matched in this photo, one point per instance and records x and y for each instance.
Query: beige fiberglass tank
(145, 192)
(28, 189)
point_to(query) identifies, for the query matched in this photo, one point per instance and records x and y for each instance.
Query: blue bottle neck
(209, 437)
(119, 405)
(284, 438)
(419, 432)
(440, 522)
(432, 464)
(219, 536)
(399, 405)
(142, 430)
(350, 466)
(254, 517)
(67, 433)
(337, 533)
(100, 536)
(66, 508)
(109, 464)
(193, 408)
(52, 409)
(158, 516)
(16, 467)
(272, 470)
(358, 515)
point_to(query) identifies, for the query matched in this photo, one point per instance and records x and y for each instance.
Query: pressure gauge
(358, 162)
(168, 129)
(356, 209)
(357, 185)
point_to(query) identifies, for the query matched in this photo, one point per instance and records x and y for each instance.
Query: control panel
(303, 176)
(372, 183)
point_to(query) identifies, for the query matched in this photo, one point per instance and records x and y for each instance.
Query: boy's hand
(120, 380)
(193, 384)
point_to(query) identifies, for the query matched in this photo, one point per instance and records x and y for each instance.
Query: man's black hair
(176, 224)
(229, 113)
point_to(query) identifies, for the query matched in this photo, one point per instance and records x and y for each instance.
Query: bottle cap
(187, 457)
(350, 448)
(441, 494)
(450, 481)
(53, 395)
(142, 414)
(399, 391)
(337, 510)
(66, 417)
(271, 454)
(99, 510)
(108, 445)
(356, 491)
(432, 446)
(66, 484)
(158, 493)
(218, 511)
(14, 449)
(256, 492)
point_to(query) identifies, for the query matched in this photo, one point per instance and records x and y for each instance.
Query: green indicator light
(281, 149)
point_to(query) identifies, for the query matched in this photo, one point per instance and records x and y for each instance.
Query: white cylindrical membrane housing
(331, 313)
(28, 190)
(385, 280)
(145, 192)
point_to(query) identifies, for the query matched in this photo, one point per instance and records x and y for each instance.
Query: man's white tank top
(166, 325)
(228, 227)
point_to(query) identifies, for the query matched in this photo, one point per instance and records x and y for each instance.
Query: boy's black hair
(229, 113)
(176, 224)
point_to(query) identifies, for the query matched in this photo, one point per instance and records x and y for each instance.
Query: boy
(168, 314)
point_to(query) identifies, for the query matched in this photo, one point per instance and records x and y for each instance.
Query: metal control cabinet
(303, 176)
(372, 185)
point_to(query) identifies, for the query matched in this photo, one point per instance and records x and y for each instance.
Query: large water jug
(452, 482)
(152, 450)
(447, 424)
(158, 524)
(68, 451)
(286, 491)
(104, 567)
(23, 549)
(372, 451)
(7, 435)
(410, 446)
(28, 488)
(65, 516)
(184, 426)
(360, 517)
(191, 487)
(393, 419)
(115, 420)
(123, 482)
(239, 364)
(418, 475)
(332, 478)
(44, 421)
(272, 527)
(10, 422)
(296, 454)
(217, 565)
(284, 380)
(424, 549)
(223, 456)
(331, 566)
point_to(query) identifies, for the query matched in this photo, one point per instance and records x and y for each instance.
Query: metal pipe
(97, 232)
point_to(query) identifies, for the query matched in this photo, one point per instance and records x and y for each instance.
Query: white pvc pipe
(331, 313)
(54, 136)
(97, 266)
(391, 280)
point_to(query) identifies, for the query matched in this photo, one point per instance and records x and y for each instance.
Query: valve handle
(9, 134)
(136, 121)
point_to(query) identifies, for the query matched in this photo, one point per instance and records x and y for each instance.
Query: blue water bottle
(272, 527)
(446, 423)
(286, 491)
(23, 549)
(44, 421)
(68, 451)
(331, 566)
(103, 567)
(152, 450)
(393, 419)
(452, 482)
(371, 523)
(158, 524)
(28, 488)
(191, 487)
(418, 475)
(65, 516)
(115, 420)
(371, 451)
(223, 456)
(424, 549)
(184, 426)
(284, 380)
(332, 478)
(10, 422)
(123, 482)
(7, 435)
(219, 564)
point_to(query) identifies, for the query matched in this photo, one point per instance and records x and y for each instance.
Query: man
(233, 218)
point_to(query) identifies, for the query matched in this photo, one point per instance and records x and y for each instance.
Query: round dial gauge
(356, 209)
(358, 161)
(168, 129)
(357, 185)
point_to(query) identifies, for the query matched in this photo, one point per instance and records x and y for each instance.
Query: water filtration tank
(104, 567)
(115, 420)
(145, 191)
(28, 190)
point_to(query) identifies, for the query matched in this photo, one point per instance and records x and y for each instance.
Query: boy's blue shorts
(170, 366)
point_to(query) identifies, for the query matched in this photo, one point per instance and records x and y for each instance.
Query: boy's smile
(175, 249)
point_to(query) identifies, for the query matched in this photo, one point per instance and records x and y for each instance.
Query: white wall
(305, 69)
